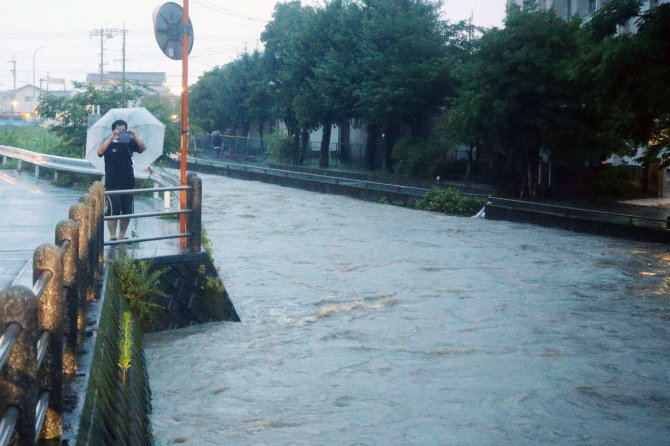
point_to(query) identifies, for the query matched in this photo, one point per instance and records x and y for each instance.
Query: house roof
(149, 77)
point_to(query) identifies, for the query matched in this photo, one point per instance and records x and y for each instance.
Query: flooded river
(368, 324)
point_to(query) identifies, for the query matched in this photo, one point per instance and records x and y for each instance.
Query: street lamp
(34, 53)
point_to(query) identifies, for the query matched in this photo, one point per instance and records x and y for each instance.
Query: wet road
(372, 324)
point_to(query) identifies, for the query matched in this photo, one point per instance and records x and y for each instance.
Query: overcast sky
(223, 29)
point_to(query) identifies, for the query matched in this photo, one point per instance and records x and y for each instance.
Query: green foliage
(164, 109)
(418, 158)
(608, 182)
(207, 244)
(139, 287)
(280, 147)
(450, 201)
(35, 139)
(126, 346)
(72, 112)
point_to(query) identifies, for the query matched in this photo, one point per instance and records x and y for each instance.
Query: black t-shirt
(119, 165)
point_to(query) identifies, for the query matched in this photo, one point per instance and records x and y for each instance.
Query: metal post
(194, 203)
(67, 232)
(48, 257)
(19, 375)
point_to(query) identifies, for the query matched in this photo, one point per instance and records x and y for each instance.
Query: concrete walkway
(31, 209)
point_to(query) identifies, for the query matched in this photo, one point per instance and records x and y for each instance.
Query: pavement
(31, 209)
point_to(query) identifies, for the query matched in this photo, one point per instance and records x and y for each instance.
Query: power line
(224, 11)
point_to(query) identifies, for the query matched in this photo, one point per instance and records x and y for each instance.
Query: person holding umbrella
(118, 152)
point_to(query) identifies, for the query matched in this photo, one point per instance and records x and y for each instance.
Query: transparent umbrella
(145, 125)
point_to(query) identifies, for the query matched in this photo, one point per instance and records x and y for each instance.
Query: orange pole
(184, 122)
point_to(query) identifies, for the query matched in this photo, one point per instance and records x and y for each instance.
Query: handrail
(573, 209)
(42, 345)
(42, 320)
(148, 214)
(7, 341)
(193, 191)
(140, 191)
(41, 283)
(40, 412)
(7, 424)
(147, 239)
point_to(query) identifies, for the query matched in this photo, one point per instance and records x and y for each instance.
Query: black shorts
(119, 205)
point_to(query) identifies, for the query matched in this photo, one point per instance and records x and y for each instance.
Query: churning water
(368, 324)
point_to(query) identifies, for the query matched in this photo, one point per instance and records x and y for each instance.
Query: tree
(519, 98)
(72, 112)
(630, 73)
(290, 60)
(405, 68)
(327, 95)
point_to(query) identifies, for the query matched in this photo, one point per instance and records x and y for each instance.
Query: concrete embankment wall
(111, 397)
(111, 408)
(622, 226)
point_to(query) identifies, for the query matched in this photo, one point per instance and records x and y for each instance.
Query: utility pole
(103, 33)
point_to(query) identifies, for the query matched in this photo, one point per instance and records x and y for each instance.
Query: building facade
(151, 83)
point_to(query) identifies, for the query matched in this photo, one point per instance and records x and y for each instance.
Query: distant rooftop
(149, 77)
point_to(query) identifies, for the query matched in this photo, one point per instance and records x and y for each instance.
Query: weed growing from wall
(126, 346)
(139, 287)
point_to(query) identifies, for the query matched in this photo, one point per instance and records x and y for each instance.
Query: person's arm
(102, 148)
(140, 144)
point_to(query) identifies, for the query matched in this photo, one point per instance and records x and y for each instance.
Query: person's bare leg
(111, 225)
(123, 226)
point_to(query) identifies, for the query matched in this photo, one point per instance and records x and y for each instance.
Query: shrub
(450, 201)
(418, 158)
(280, 147)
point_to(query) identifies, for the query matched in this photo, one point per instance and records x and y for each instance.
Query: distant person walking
(217, 141)
(118, 151)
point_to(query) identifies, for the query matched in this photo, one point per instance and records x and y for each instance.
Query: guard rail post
(79, 213)
(194, 218)
(91, 264)
(67, 231)
(19, 374)
(48, 258)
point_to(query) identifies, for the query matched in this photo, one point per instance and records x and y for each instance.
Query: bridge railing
(40, 327)
(193, 211)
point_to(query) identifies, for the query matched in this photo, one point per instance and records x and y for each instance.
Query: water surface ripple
(368, 324)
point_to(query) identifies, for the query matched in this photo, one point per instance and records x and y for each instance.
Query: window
(569, 7)
(592, 6)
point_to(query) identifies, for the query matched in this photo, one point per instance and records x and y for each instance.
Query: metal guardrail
(36, 352)
(325, 179)
(51, 161)
(572, 212)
